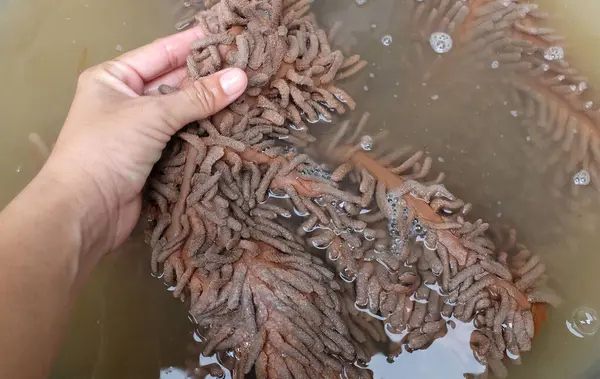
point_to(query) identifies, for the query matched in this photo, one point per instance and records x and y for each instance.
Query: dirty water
(126, 324)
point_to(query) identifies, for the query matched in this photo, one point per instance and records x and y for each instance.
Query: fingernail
(233, 81)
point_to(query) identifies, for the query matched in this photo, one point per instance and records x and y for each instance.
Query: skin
(86, 199)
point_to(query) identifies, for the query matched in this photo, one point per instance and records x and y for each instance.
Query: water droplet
(308, 229)
(321, 247)
(366, 88)
(588, 104)
(511, 355)
(495, 64)
(119, 48)
(514, 113)
(582, 86)
(435, 97)
(440, 159)
(18, 169)
(300, 214)
(197, 337)
(361, 2)
(386, 40)
(554, 53)
(347, 275)
(379, 249)
(584, 322)
(449, 302)
(296, 127)
(373, 26)
(366, 143)
(440, 42)
(369, 235)
(371, 75)
(278, 194)
(582, 178)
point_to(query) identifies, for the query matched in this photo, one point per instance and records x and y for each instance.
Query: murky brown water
(127, 325)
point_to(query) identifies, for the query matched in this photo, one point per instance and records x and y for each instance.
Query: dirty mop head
(223, 198)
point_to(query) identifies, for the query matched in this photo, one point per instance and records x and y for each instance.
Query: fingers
(157, 58)
(173, 79)
(202, 98)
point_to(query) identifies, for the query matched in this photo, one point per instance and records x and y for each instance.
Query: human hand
(117, 128)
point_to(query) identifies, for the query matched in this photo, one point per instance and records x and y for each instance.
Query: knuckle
(96, 72)
(87, 74)
(203, 97)
(165, 113)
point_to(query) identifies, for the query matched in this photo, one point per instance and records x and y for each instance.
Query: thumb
(203, 97)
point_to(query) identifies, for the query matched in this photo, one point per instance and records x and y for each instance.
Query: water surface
(126, 323)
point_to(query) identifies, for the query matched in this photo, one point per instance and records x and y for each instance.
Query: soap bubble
(554, 53)
(366, 143)
(582, 178)
(440, 42)
(584, 322)
(386, 40)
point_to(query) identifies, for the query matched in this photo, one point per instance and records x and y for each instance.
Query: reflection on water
(450, 354)
(127, 325)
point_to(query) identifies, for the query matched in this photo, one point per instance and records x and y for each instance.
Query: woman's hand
(118, 126)
(86, 199)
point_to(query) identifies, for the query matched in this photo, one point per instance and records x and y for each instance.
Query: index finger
(162, 55)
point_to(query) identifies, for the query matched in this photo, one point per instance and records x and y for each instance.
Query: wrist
(75, 202)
